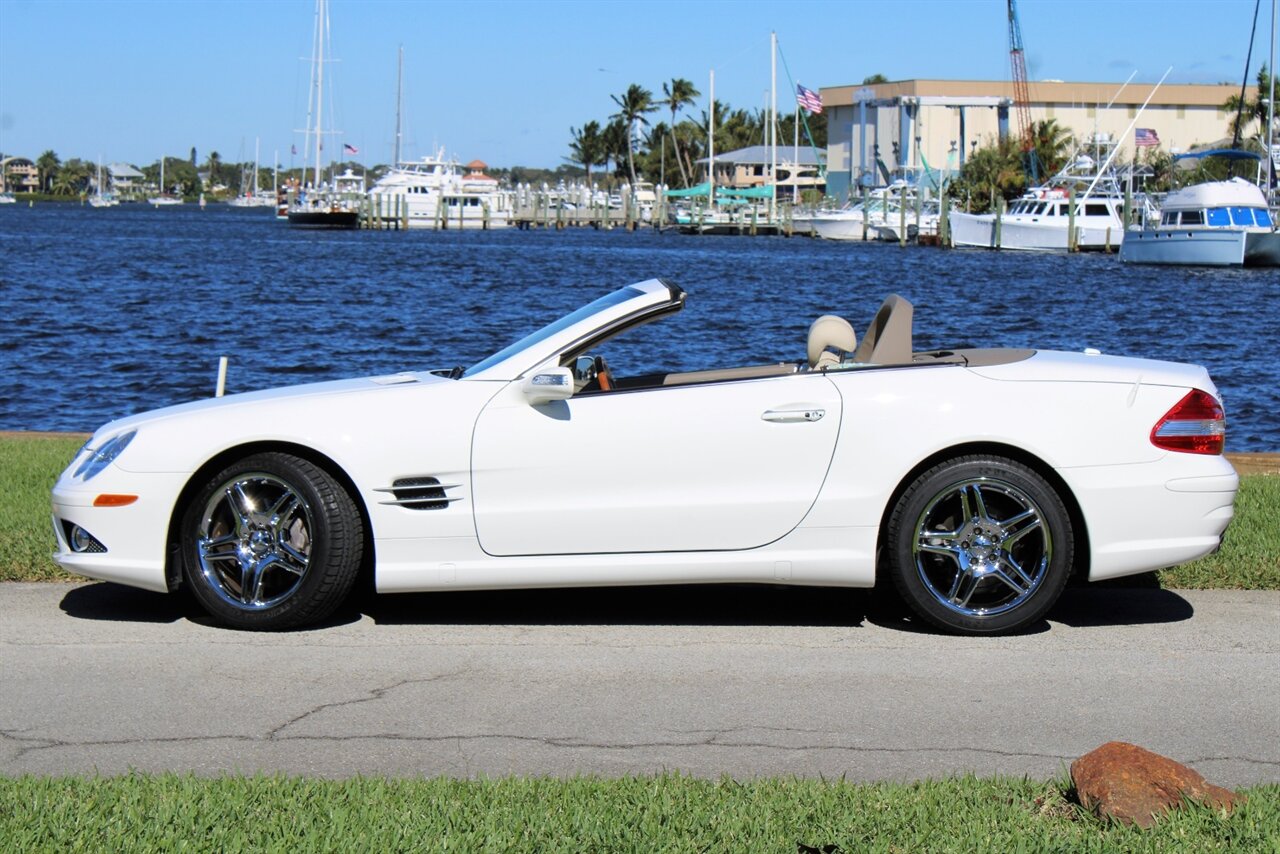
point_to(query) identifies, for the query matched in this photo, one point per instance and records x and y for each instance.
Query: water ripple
(112, 312)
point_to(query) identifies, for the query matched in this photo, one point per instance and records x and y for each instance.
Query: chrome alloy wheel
(254, 541)
(982, 547)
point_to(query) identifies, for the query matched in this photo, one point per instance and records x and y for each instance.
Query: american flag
(1145, 136)
(808, 99)
(349, 148)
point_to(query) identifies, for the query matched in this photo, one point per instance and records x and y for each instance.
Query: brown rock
(1130, 784)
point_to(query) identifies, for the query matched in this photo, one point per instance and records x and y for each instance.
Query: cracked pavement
(746, 681)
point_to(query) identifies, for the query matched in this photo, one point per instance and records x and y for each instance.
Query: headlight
(97, 460)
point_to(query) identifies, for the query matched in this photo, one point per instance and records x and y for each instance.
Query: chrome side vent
(420, 493)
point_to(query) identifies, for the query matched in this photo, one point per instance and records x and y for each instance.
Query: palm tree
(587, 146)
(616, 142)
(47, 166)
(1255, 109)
(680, 93)
(1053, 145)
(213, 163)
(632, 107)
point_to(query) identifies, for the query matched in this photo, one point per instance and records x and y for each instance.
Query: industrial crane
(1021, 96)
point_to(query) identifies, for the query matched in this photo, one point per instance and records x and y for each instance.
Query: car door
(727, 465)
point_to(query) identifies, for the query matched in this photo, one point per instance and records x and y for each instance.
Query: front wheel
(980, 545)
(271, 542)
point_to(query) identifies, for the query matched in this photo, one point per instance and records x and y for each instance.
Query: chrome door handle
(790, 416)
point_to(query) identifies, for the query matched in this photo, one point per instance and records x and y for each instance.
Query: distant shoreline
(1255, 462)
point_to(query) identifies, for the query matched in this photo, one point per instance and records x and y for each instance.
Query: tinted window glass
(1096, 209)
(1192, 218)
(1169, 218)
(1241, 216)
(1218, 216)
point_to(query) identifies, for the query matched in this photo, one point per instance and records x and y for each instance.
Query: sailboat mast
(1271, 113)
(320, 38)
(773, 119)
(399, 104)
(711, 145)
(257, 161)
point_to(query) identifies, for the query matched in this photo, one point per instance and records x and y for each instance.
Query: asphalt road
(740, 680)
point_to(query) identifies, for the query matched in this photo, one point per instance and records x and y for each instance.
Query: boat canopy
(746, 193)
(704, 188)
(1228, 153)
(700, 190)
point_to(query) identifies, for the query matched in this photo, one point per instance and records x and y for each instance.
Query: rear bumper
(1154, 515)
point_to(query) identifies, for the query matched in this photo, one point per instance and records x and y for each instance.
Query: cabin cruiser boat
(329, 206)
(1214, 223)
(1042, 218)
(432, 193)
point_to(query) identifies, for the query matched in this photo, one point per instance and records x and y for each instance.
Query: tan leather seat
(888, 340)
(826, 334)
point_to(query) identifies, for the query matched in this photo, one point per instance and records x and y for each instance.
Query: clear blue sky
(504, 81)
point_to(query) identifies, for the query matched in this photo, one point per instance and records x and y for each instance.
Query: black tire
(1001, 548)
(271, 542)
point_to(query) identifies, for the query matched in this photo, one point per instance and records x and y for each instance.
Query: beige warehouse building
(913, 123)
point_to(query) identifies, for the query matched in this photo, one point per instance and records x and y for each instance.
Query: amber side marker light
(1195, 425)
(108, 499)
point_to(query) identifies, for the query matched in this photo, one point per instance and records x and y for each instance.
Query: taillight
(1195, 425)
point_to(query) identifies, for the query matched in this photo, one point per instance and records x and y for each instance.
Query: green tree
(616, 142)
(680, 93)
(214, 165)
(992, 172)
(633, 105)
(587, 147)
(873, 79)
(1053, 145)
(47, 166)
(1254, 110)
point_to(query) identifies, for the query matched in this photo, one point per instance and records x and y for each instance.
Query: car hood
(324, 416)
(296, 393)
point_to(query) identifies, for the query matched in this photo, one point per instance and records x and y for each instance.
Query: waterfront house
(798, 168)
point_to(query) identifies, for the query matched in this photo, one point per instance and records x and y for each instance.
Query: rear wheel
(271, 542)
(980, 545)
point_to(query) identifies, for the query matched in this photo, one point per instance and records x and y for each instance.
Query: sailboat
(251, 196)
(320, 205)
(164, 199)
(101, 198)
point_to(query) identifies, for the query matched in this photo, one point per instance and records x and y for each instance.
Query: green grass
(1250, 557)
(641, 814)
(29, 465)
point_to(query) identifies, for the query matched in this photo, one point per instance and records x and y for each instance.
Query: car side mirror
(548, 385)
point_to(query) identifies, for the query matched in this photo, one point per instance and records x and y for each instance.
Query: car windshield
(607, 301)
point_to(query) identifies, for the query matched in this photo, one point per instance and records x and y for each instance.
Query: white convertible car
(977, 480)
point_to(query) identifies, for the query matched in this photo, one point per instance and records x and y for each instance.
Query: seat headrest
(830, 331)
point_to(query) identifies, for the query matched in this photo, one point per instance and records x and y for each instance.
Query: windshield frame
(615, 310)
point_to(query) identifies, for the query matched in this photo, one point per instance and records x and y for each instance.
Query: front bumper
(133, 537)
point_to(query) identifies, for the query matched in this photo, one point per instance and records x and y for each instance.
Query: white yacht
(433, 193)
(1041, 219)
(1215, 223)
(878, 219)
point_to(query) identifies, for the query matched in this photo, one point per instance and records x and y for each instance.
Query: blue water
(105, 313)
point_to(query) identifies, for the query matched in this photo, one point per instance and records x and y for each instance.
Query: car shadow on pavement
(116, 603)
(680, 605)
(673, 605)
(1107, 605)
